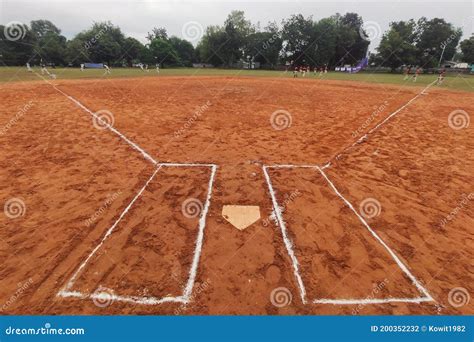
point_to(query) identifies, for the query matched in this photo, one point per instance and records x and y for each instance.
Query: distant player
(82, 67)
(326, 69)
(295, 72)
(158, 68)
(28, 67)
(44, 70)
(406, 72)
(416, 74)
(321, 70)
(441, 75)
(107, 69)
(303, 71)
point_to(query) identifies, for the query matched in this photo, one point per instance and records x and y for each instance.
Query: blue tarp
(94, 65)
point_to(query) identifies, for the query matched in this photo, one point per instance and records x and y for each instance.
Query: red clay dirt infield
(72, 179)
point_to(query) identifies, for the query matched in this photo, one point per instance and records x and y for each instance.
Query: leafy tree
(264, 47)
(397, 46)
(325, 36)
(42, 27)
(350, 45)
(163, 52)
(50, 45)
(211, 46)
(103, 42)
(157, 32)
(17, 51)
(298, 45)
(132, 50)
(435, 36)
(184, 50)
(467, 48)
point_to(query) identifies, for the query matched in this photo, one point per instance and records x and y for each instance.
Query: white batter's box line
(426, 297)
(187, 291)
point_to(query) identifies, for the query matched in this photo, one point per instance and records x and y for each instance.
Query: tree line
(298, 40)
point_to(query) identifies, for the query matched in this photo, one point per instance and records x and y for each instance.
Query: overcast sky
(136, 18)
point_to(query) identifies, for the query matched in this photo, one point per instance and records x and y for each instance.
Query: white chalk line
(197, 252)
(371, 301)
(426, 296)
(286, 239)
(185, 297)
(380, 124)
(110, 127)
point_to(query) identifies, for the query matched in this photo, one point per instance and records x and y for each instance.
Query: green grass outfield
(16, 74)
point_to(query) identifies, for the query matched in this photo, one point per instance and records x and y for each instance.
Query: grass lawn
(15, 74)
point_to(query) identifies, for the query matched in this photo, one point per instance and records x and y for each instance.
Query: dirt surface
(72, 179)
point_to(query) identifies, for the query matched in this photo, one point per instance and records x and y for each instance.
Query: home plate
(241, 216)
